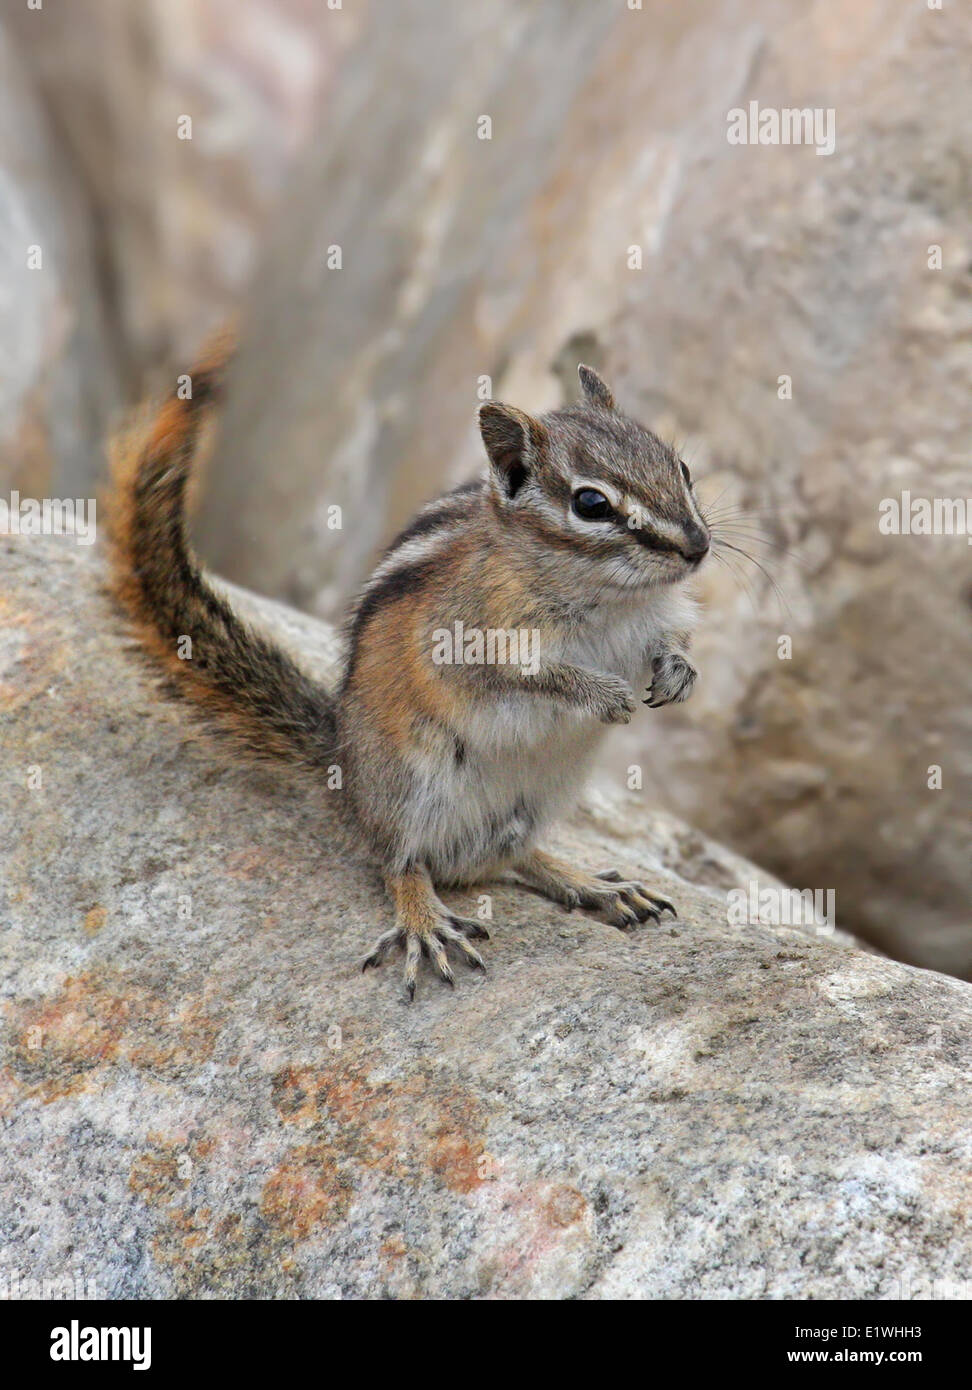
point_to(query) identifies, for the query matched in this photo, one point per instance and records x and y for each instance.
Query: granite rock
(201, 1095)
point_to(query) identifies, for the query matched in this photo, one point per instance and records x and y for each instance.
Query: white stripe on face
(642, 518)
(693, 506)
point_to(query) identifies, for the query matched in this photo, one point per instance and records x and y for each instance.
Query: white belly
(526, 756)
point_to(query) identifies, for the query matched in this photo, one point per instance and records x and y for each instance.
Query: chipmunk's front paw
(615, 701)
(671, 681)
(430, 939)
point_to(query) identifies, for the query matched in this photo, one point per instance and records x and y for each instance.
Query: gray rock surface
(200, 1095)
(59, 363)
(509, 258)
(180, 220)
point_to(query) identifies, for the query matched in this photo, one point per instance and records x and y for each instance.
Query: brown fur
(242, 683)
(451, 770)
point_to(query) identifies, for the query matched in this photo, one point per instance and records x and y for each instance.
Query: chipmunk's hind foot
(425, 927)
(624, 902)
(646, 901)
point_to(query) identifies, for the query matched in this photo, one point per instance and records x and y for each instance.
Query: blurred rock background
(510, 258)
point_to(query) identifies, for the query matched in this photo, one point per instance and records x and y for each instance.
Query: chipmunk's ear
(514, 442)
(595, 390)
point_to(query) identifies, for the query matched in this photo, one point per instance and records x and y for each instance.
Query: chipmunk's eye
(686, 475)
(590, 505)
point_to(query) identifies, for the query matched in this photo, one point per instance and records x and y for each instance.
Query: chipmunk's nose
(696, 545)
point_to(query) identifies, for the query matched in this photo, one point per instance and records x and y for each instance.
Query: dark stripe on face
(574, 540)
(650, 540)
(566, 540)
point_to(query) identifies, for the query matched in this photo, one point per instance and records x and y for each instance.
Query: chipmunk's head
(592, 483)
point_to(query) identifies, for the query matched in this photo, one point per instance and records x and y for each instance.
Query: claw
(470, 927)
(624, 903)
(644, 902)
(381, 948)
(636, 896)
(657, 903)
(469, 953)
(663, 904)
(473, 959)
(413, 954)
(430, 940)
(641, 911)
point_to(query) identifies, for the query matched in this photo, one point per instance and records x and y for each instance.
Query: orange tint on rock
(408, 1130)
(454, 1159)
(565, 1206)
(94, 919)
(304, 1191)
(101, 1017)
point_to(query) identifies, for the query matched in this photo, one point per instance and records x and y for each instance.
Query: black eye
(686, 475)
(590, 505)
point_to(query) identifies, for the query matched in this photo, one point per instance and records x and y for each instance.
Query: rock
(60, 378)
(508, 260)
(351, 362)
(202, 1096)
(182, 210)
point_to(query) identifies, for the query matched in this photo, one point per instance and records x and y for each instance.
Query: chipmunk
(581, 531)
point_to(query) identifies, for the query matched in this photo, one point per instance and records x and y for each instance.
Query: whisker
(773, 550)
(740, 579)
(740, 514)
(716, 500)
(780, 596)
(734, 567)
(741, 524)
(752, 531)
(739, 533)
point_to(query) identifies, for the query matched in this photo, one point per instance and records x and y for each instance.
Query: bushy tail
(254, 691)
